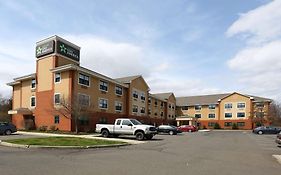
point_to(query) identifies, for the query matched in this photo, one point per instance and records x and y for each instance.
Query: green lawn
(62, 141)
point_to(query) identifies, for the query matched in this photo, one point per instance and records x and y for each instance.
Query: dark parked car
(187, 128)
(172, 130)
(7, 128)
(266, 130)
(278, 138)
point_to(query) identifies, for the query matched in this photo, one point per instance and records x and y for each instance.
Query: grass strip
(62, 141)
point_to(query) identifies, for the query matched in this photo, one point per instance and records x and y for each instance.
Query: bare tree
(5, 106)
(76, 109)
(275, 114)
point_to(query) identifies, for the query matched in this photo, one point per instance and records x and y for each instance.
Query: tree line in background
(274, 116)
(5, 106)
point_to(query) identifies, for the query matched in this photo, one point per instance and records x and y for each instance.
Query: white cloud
(259, 25)
(258, 65)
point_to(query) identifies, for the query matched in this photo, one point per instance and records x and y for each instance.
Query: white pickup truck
(126, 126)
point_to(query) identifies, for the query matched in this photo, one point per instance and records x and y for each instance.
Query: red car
(187, 128)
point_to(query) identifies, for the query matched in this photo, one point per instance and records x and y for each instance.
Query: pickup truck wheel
(139, 135)
(105, 133)
(171, 132)
(149, 137)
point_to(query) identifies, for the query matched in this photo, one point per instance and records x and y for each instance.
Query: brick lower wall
(248, 124)
(18, 121)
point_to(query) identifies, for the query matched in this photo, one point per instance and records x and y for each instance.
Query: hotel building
(61, 89)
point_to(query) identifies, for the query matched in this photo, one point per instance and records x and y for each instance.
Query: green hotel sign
(68, 51)
(45, 49)
(59, 47)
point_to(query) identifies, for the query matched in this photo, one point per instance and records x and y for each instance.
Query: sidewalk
(89, 136)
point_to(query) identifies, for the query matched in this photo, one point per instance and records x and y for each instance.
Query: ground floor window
(84, 121)
(103, 120)
(241, 124)
(211, 124)
(227, 123)
(57, 119)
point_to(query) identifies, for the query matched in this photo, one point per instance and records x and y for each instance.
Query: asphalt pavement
(200, 153)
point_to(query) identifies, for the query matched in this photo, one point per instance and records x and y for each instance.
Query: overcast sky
(189, 47)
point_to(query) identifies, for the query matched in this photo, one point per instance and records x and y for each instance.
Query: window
(155, 103)
(228, 115)
(162, 114)
(84, 121)
(227, 123)
(57, 77)
(103, 103)
(103, 86)
(259, 105)
(198, 107)
(33, 83)
(57, 98)
(84, 80)
(142, 110)
(212, 106)
(135, 94)
(162, 104)
(211, 124)
(212, 115)
(149, 100)
(118, 90)
(142, 96)
(149, 111)
(228, 105)
(197, 115)
(241, 124)
(156, 114)
(32, 101)
(57, 119)
(126, 122)
(241, 114)
(135, 108)
(240, 105)
(184, 107)
(118, 122)
(84, 99)
(118, 106)
(173, 107)
(170, 106)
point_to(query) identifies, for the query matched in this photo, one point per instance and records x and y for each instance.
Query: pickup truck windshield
(135, 122)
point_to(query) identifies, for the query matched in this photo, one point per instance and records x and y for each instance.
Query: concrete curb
(7, 144)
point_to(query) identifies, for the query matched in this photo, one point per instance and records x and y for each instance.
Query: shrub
(217, 126)
(53, 128)
(204, 127)
(42, 128)
(234, 126)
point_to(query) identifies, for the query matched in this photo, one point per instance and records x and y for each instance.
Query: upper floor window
(103, 103)
(228, 115)
(197, 115)
(241, 105)
(212, 106)
(149, 111)
(149, 100)
(198, 107)
(84, 80)
(259, 105)
(162, 104)
(57, 98)
(142, 96)
(228, 105)
(118, 106)
(170, 106)
(135, 94)
(103, 85)
(142, 110)
(173, 107)
(33, 101)
(84, 99)
(57, 77)
(184, 108)
(33, 83)
(241, 114)
(162, 114)
(212, 115)
(118, 90)
(135, 108)
(155, 103)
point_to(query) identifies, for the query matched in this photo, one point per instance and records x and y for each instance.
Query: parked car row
(266, 130)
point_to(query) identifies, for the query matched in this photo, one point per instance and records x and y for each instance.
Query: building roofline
(56, 38)
(25, 77)
(87, 71)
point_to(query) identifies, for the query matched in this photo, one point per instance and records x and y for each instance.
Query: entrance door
(29, 122)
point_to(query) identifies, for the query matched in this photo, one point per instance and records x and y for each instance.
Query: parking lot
(215, 152)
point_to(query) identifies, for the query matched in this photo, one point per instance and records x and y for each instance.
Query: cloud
(258, 65)
(259, 25)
